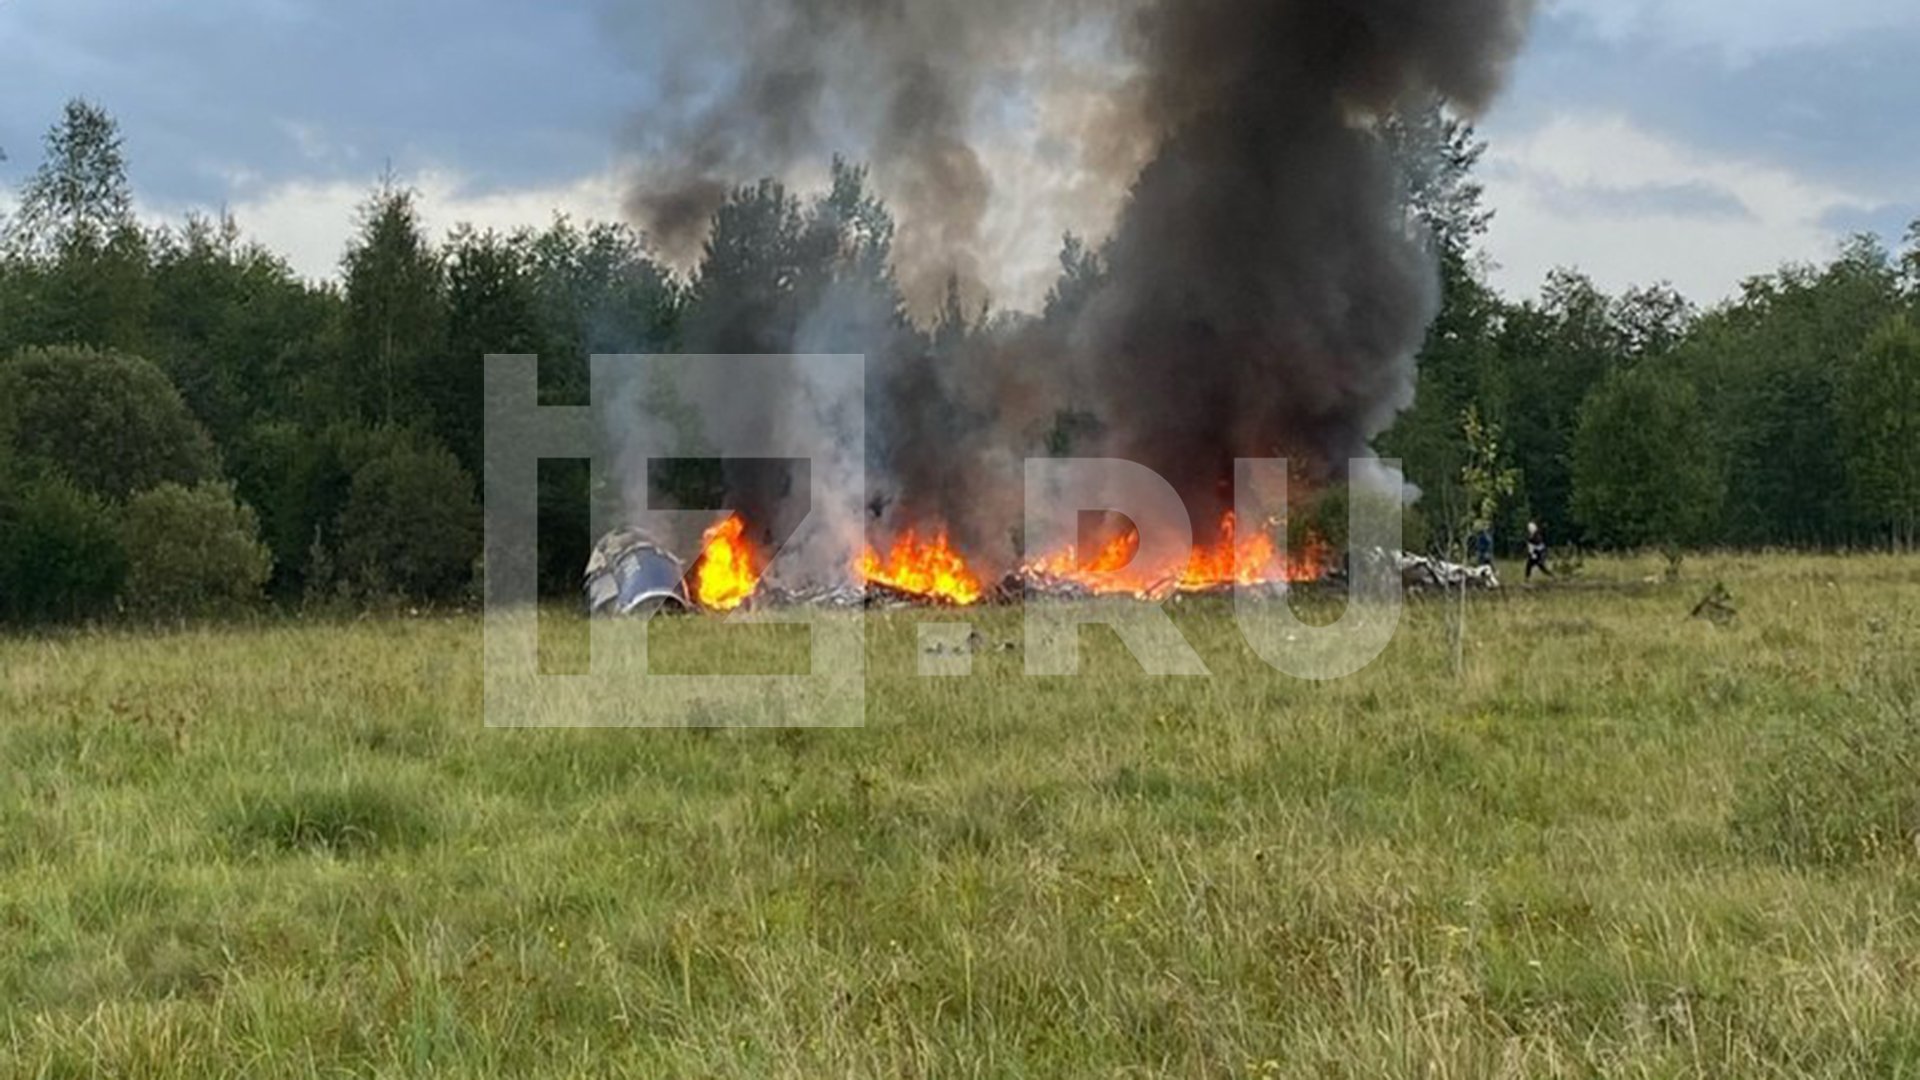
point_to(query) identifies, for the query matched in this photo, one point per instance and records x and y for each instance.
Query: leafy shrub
(411, 526)
(1840, 790)
(60, 553)
(192, 551)
(358, 818)
(111, 423)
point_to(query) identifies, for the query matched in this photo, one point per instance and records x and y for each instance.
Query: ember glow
(1231, 559)
(729, 568)
(929, 568)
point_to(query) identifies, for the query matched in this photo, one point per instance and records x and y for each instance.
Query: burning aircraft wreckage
(631, 573)
(1265, 282)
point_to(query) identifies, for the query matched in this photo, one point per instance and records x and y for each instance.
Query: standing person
(1536, 550)
(1483, 545)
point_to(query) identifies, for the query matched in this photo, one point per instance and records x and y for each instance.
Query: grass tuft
(352, 819)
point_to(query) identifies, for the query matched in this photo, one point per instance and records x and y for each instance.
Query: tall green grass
(1619, 842)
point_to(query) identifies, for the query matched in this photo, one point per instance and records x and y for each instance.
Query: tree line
(187, 426)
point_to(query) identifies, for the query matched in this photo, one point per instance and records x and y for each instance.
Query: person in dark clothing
(1536, 550)
(1483, 545)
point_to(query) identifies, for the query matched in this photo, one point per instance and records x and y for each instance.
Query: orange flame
(1231, 559)
(1112, 558)
(928, 568)
(729, 569)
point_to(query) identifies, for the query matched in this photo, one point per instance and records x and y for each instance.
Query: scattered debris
(887, 597)
(1419, 572)
(842, 597)
(630, 573)
(1717, 607)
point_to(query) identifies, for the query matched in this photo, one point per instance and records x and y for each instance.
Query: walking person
(1536, 550)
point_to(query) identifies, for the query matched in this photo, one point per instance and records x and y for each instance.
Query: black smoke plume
(1264, 288)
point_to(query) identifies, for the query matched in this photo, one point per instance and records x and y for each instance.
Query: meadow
(1616, 841)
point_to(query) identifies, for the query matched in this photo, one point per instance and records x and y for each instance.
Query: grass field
(1621, 842)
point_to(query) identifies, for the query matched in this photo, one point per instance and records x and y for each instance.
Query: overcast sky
(1695, 141)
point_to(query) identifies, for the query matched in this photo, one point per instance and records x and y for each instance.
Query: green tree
(596, 289)
(847, 240)
(78, 259)
(1766, 367)
(294, 478)
(491, 308)
(60, 555)
(395, 314)
(112, 423)
(94, 296)
(1910, 265)
(743, 298)
(192, 551)
(1552, 353)
(1652, 320)
(244, 339)
(411, 527)
(845, 296)
(1879, 418)
(303, 478)
(1437, 153)
(1643, 468)
(1488, 479)
(79, 196)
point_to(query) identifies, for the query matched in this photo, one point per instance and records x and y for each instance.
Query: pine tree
(396, 312)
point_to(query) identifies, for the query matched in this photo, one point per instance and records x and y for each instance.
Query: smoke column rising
(1265, 291)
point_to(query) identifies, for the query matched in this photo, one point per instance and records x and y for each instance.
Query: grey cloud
(1696, 199)
(511, 93)
(1838, 107)
(1889, 221)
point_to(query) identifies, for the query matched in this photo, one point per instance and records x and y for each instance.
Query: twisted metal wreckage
(632, 574)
